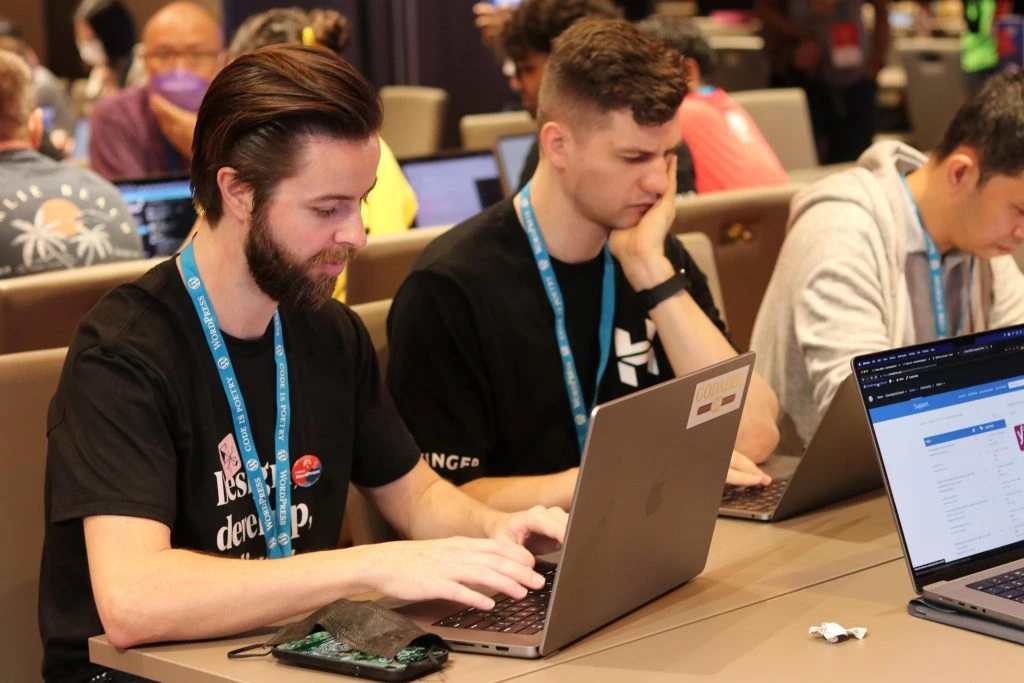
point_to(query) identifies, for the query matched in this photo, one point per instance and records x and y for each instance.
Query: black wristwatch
(649, 298)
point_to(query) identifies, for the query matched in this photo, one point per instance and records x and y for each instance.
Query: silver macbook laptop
(838, 463)
(948, 424)
(643, 513)
(511, 151)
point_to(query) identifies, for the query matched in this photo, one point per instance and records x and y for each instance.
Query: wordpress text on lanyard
(276, 527)
(580, 409)
(939, 309)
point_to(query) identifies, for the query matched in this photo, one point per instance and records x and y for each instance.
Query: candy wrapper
(833, 632)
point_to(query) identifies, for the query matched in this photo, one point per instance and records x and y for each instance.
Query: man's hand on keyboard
(743, 472)
(446, 568)
(541, 530)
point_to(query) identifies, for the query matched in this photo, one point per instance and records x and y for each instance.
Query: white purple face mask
(180, 87)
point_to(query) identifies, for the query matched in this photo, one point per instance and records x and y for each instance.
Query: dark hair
(112, 24)
(261, 108)
(285, 25)
(991, 123)
(8, 29)
(608, 65)
(534, 25)
(684, 37)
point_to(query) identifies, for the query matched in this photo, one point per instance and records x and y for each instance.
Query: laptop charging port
(501, 648)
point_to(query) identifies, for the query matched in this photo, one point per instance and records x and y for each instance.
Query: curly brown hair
(534, 25)
(604, 65)
(284, 26)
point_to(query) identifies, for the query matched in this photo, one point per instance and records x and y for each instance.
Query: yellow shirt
(390, 207)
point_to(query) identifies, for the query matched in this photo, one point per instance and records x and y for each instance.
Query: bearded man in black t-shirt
(492, 377)
(214, 411)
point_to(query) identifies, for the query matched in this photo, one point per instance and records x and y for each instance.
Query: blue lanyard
(935, 278)
(276, 528)
(580, 411)
(706, 90)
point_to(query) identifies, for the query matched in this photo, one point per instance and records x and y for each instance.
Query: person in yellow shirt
(391, 206)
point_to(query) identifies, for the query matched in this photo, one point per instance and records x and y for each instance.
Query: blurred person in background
(51, 95)
(729, 152)
(147, 130)
(52, 215)
(822, 47)
(105, 34)
(981, 52)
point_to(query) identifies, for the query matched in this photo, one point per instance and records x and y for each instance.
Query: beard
(290, 283)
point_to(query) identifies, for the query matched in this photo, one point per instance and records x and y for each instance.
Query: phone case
(410, 672)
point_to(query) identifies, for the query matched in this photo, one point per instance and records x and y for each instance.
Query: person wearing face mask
(105, 35)
(147, 130)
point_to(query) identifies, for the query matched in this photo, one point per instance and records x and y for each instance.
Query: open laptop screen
(512, 151)
(450, 189)
(948, 419)
(163, 210)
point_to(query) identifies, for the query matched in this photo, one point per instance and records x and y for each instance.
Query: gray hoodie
(839, 288)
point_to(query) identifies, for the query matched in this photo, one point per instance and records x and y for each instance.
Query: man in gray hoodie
(865, 247)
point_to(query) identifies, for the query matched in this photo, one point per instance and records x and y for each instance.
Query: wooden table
(749, 563)
(769, 642)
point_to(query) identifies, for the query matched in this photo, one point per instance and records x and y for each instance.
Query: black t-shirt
(473, 359)
(140, 420)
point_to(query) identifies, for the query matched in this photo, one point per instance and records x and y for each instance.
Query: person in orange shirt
(729, 152)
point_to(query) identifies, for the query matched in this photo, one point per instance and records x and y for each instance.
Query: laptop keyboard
(525, 617)
(1009, 585)
(755, 498)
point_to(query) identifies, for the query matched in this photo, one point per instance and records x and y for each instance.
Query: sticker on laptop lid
(717, 396)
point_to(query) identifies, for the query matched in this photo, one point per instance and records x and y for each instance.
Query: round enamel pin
(306, 471)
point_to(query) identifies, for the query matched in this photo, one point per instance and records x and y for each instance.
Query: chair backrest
(481, 131)
(700, 248)
(742, 63)
(384, 263)
(746, 228)
(27, 383)
(785, 120)
(413, 119)
(374, 315)
(363, 521)
(43, 311)
(935, 86)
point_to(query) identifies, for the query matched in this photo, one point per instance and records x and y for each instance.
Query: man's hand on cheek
(641, 249)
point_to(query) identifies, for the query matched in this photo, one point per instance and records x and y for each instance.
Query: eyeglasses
(162, 59)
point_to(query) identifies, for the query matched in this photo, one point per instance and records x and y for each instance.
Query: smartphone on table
(321, 651)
